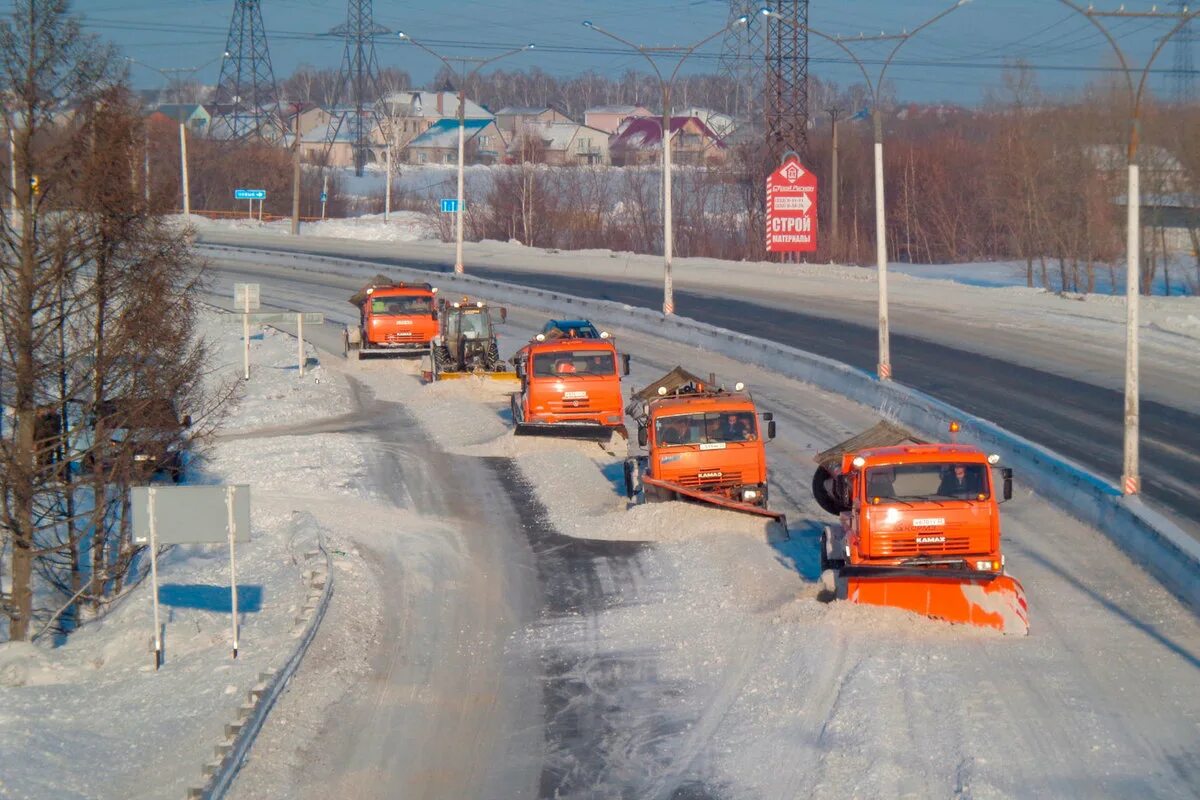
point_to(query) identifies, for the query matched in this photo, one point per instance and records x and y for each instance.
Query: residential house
(639, 141)
(560, 144)
(609, 118)
(195, 116)
(315, 144)
(512, 119)
(723, 125)
(311, 116)
(408, 114)
(438, 144)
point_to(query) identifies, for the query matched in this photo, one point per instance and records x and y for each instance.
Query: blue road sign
(450, 205)
(324, 197)
(249, 194)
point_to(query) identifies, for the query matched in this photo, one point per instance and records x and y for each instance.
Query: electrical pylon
(744, 60)
(247, 99)
(786, 102)
(356, 110)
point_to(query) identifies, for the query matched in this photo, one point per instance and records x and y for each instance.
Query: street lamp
(183, 160)
(884, 368)
(463, 78)
(666, 84)
(1130, 474)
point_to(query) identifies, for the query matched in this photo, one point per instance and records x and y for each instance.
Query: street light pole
(884, 367)
(1131, 482)
(667, 84)
(464, 78)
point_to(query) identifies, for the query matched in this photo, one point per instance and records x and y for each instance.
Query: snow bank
(91, 717)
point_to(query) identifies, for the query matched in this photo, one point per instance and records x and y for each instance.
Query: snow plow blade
(982, 599)
(488, 376)
(715, 500)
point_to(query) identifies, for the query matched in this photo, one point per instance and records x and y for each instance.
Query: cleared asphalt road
(1077, 419)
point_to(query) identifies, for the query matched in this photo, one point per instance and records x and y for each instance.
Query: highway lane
(1079, 420)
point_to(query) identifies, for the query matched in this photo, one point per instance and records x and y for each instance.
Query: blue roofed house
(439, 143)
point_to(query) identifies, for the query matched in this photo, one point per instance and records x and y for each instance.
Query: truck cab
(394, 318)
(928, 505)
(708, 442)
(570, 387)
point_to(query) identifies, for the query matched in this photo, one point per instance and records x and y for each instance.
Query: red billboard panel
(791, 209)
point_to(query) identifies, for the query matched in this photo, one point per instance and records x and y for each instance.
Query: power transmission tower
(787, 78)
(356, 109)
(1183, 74)
(247, 99)
(744, 60)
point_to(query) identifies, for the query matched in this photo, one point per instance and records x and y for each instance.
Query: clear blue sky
(968, 46)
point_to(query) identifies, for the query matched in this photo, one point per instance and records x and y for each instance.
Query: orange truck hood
(687, 463)
(948, 527)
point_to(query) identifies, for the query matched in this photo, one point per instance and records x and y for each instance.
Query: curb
(240, 733)
(1149, 538)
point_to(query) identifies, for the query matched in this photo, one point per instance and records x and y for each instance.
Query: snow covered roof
(522, 111)
(615, 109)
(420, 103)
(644, 133)
(444, 133)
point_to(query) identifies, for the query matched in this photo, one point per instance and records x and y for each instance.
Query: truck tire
(820, 489)
(441, 359)
(493, 357)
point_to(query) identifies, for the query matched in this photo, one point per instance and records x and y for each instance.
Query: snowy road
(1021, 367)
(526, 635)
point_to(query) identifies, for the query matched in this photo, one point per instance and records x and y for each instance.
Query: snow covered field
(676, 651)
(91, 718)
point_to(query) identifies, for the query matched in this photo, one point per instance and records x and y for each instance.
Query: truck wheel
(820, 489)
(493, 357)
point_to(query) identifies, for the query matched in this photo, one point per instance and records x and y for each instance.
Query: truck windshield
(944, 481)
(574, 362)
(734, 426)
(401, 306)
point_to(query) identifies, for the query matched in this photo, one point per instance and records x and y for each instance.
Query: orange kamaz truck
(570, 387)
(918, 529)
(395, 319)
(703, 443)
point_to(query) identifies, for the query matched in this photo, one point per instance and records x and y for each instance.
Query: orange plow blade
(981, 599)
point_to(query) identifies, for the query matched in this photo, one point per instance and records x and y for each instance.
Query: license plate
(713, 446)
(575, 395)
(932, 522)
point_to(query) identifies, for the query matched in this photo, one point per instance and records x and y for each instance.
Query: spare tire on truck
(822, 489)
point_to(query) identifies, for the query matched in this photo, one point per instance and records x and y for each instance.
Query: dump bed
(883, 434)
(672, 381)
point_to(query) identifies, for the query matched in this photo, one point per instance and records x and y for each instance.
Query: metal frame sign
(247, 297)
(190, 515)
(450, 205)
(249, 194)
(791, 209)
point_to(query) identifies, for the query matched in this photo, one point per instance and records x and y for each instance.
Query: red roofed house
(639, 141)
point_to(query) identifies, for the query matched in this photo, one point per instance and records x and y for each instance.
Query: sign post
(300, 342)
(791, 208)
(251, 195)
(300, 318)
(190, 515)
(247, 297)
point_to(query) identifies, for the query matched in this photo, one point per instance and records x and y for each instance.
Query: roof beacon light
(435, 290)
(605, 334)
(370, 290)
(955, 427)
(994, 459)
(541, 337)
(739, 386)
(662, 390)
(859, 462)
(479, 304)
(457, 305)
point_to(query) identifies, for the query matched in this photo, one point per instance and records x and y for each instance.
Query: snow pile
(403, 226)
(91, 717)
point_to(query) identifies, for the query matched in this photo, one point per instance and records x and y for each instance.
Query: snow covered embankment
(91, 718)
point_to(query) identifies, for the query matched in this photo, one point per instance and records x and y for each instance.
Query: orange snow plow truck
(919, 529)
(395, 319)
(570, 387)
(704, 444)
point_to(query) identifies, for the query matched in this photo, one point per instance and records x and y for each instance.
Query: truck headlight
(749, 494)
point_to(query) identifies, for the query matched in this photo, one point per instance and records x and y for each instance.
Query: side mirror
(843, 490)
(767, 416)
(503, 314)
(1006, 474)
(642, 437)
(625, 364)
(770, 429)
